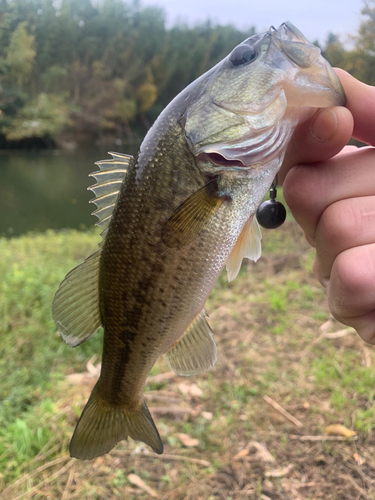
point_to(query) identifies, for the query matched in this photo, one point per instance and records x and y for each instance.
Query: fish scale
(133, 262)
(184, 210)
(182, 264)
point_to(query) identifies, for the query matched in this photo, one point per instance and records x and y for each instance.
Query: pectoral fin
(247, 246)
(196, 351)
(192, 215)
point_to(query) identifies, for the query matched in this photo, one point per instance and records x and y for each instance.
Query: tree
(20, 56)
(366, 32)
(43, 117)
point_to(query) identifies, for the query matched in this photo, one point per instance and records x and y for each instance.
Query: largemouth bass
(175, 216)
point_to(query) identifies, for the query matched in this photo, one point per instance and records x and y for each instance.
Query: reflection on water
(47, 189)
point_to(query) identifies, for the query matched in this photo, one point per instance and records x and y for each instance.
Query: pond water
(48, 189)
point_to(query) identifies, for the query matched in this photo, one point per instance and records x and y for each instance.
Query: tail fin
(102, 426)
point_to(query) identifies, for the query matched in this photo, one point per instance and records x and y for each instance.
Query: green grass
(348, 382)
(33, 359)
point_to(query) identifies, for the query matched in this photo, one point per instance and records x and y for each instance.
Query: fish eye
(243, 54)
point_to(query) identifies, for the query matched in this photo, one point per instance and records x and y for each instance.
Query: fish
(174, 216)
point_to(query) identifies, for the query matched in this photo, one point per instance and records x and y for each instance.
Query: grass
(32, 356)
(268, 328)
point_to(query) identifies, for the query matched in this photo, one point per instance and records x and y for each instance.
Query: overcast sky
(315, 18)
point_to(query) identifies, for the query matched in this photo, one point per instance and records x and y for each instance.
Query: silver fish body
(175, 215)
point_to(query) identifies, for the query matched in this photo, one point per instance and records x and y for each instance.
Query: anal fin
(248, 245)
(196, 351)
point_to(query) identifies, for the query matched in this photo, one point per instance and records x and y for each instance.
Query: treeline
(93, 71)
(360, 59)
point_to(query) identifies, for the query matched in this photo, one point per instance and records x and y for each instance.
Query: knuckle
(337, 225)
(351, 275)
(367, 333)
(351, 291)
(296, 184)
(365, 327)
(319, 274)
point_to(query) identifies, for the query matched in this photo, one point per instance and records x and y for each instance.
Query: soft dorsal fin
(247, 246)
(108, 182)
(195, 352)
(186, 222)
(75, 307)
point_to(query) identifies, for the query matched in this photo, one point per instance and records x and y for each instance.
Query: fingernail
(324, 125)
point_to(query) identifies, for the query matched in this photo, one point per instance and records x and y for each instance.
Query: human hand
(333, 200)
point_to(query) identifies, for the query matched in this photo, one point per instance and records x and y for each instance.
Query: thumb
(319, 138)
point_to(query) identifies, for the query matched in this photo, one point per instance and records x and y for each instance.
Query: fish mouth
(327, 90)
(287, 31)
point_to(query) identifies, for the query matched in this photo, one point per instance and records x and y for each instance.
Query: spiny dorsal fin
(108, 182)
(196, 350)
(75, 307)
(247, 246)
(186, 222)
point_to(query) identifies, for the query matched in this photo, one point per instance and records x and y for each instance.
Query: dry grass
(254, 426)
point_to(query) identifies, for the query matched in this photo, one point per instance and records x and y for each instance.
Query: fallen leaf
(187, 440)
(184, 388)
(190, 389)
(262, 451)
(195, 390)
(98, 462)
(75, 378)
(242, 453)
(339, 430)
(137, 481)
(207, 415)
(358, 459)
